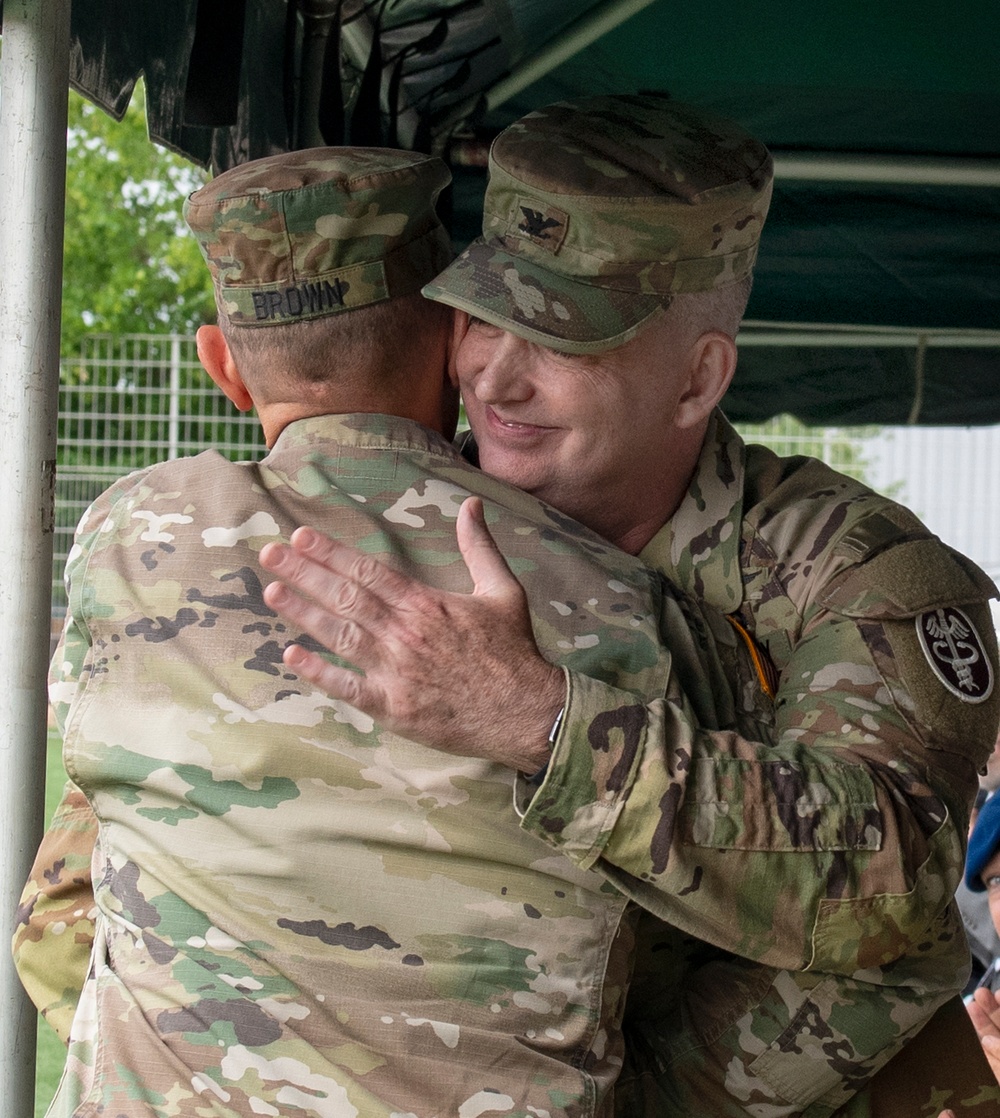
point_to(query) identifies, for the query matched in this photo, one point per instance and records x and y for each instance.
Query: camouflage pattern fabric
(815, 1033)
(855, 1024)
(54, 930)
(321, 231)
(828, 848)
(298, 912)
(597, 211)
(942, 1066)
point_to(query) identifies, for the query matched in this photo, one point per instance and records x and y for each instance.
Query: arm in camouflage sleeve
(55, 921)
(841, 829)
(54, 930)
(844, 839)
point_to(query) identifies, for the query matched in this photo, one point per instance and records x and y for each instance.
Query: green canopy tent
(884, 120)
(878, 284)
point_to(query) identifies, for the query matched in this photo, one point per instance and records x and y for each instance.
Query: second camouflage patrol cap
(320, 231)
(597, 211)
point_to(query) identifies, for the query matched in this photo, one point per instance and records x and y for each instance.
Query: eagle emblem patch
(955, 653)
(540, 223)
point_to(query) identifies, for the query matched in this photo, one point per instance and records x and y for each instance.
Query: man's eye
(482, 324)
(992, 882)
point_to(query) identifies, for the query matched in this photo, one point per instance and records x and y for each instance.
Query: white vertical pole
(34, 78)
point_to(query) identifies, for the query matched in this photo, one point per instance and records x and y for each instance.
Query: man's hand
(984, 1009)
(459, 672)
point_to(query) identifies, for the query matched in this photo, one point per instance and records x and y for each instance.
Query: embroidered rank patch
(544, 225)
(955, 653)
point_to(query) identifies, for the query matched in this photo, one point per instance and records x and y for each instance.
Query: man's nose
(503, 371)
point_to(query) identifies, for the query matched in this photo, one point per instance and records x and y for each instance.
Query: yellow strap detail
(766, 673)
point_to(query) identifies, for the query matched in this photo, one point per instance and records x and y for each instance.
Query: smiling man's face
(590, 434)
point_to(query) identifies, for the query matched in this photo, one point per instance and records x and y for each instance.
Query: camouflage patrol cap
(598, 211)
(319, 231)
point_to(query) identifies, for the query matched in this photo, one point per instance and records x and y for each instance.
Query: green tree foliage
(130, 266)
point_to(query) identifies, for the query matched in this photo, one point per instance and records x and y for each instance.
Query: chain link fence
(125, 403)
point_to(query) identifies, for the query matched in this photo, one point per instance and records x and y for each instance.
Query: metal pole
(317, 20)
(886, 170)
(588, 29)
(34, 79)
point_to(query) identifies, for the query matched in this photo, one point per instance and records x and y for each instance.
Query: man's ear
(217, 360)
(711, 367)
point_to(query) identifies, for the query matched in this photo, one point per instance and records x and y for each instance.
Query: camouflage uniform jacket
(296, 910)
(841, 830)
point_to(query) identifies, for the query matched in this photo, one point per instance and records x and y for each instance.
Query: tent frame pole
(34, 79)
(588, 29)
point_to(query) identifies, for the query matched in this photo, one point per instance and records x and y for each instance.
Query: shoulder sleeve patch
(914, 577)
(955, 653)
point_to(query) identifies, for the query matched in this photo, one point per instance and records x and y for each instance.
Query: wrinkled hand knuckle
(351, 689)
(348, 639)
(365, 570)
(344, 598)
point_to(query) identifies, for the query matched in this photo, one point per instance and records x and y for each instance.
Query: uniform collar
(699, 546)
(365, 430)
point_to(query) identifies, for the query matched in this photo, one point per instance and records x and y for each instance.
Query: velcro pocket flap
(906, 580)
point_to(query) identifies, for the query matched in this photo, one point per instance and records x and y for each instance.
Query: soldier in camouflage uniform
(807, 870)
(295, 910)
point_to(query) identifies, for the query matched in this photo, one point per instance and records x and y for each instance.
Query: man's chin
(501, 468)
(506, 466)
